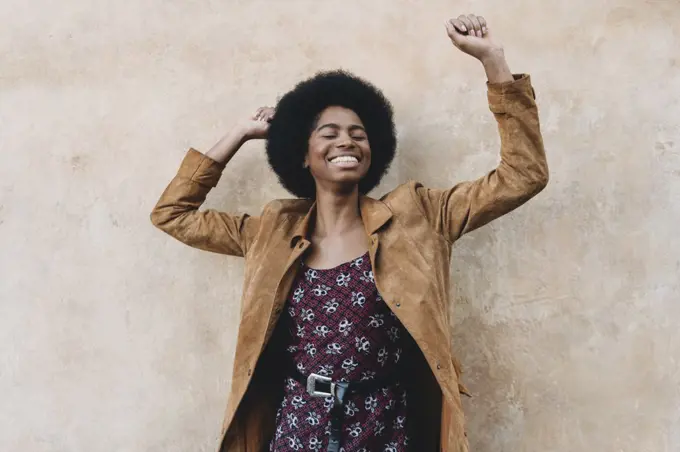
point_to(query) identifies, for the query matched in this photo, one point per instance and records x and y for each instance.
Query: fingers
(257, 114)
(456, 31)
(458, 25)
(264, 114)
(467, 24)
(476, 25)
(470, 24)
(482, 22)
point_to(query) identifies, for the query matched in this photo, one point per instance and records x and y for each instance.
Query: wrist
(493, 58)
(238, 134)
(225, 149)
(496, 68)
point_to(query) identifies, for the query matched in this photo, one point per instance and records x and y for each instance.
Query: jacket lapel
(374, 213)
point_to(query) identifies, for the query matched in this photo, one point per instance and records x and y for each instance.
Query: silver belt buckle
(312, 380)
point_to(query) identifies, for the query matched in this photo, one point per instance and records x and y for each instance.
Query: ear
(305, 164)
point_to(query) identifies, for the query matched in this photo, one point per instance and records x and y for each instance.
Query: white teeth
(344, 158)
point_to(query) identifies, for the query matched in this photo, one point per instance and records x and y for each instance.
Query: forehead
(339, 115)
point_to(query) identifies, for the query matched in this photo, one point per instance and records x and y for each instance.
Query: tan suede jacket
(411, 232)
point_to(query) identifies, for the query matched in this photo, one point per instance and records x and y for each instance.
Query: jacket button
(439, 366)
(301, 245)
(398, 304)
(250, 371)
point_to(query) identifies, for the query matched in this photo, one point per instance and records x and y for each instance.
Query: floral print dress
(338, 326)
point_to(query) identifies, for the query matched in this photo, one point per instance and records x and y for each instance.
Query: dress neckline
(344, 264)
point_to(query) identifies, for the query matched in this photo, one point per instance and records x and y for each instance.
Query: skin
(338, 233)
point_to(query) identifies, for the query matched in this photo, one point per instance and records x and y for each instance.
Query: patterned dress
(339, 327)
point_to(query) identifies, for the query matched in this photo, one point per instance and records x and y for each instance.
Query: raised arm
(523, 170)
(177, 211)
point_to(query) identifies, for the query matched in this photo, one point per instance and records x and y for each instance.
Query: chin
(350, 176)
(348, 182)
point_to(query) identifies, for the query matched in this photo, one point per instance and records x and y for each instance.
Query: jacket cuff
(200, 168)
(499, 94)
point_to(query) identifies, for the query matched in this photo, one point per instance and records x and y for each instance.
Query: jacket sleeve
(521, 174)
(177, 214)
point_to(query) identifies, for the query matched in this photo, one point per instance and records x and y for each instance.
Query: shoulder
(280, 219)
(406, 189)
(405, 198)
(293, 208)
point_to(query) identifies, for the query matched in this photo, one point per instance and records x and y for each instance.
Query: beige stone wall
(116, 338)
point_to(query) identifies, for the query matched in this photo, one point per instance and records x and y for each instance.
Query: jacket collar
(374, 213)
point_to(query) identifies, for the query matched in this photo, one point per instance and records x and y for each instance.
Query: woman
(344, 340)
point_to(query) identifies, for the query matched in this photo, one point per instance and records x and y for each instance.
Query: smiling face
(339, 154)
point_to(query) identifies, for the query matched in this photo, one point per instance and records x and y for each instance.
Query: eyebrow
(335, 126)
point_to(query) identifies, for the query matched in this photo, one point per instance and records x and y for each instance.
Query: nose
(345, 142)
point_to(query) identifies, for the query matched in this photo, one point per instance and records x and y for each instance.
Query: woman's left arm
(523, 170)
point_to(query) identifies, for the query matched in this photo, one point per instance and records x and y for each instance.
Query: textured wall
(116, 338)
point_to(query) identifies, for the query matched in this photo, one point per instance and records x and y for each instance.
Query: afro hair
(297, 113)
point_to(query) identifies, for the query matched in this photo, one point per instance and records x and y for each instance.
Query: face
(339, 154)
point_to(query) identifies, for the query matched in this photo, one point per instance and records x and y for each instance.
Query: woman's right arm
(176, 212)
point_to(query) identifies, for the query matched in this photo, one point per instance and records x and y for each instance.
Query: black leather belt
(320, 386)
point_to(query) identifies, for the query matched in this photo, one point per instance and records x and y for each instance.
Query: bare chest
(332, 251)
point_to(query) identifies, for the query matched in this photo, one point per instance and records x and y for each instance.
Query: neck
(336, 213)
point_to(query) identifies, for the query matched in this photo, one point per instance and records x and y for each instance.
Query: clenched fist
(471, 35)
(257, 126)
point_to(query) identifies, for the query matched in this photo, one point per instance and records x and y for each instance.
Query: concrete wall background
(116, 338)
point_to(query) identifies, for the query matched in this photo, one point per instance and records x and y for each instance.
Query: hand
(471, 35)
(257, 126)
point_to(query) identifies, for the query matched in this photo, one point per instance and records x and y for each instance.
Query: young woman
(344, 341)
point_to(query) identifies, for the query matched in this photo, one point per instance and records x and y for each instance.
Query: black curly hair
(297, 113)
